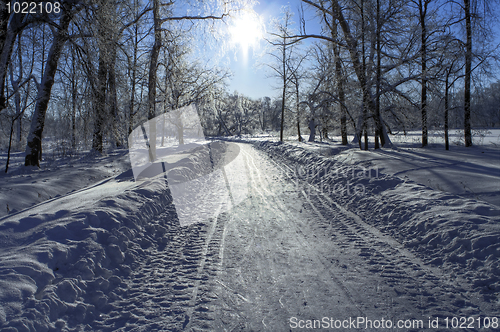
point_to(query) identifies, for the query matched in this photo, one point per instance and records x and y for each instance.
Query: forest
(82, 74)
(152, 187)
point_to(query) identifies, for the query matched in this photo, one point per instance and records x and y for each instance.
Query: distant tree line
(94, 69)
(89, 73)
(380, 66)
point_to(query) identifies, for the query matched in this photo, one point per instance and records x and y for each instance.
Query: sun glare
(246, 31)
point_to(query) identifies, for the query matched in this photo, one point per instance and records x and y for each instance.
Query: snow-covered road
(287, 255)
(284, 257)
(293, 255)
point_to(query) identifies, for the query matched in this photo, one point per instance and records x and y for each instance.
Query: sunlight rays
(247, 31)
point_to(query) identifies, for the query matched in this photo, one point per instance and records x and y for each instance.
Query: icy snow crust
(64, 263)
(461, 235)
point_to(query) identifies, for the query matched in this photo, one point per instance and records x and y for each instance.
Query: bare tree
(285, 63)
(34, 144)
(158, 22)
(334, 10)
(477, 17)
(431, 34)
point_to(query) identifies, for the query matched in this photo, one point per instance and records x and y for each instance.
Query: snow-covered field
(469, 172)
(304, 231)
(23, 187)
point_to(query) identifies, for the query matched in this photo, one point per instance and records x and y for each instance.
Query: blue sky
(250, 77)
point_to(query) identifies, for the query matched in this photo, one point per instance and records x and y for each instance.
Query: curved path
(286, 257)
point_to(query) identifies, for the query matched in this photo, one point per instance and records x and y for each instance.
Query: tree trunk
(73, 123)
(312, 130)
(366, 96)
(163, 133)
(103, 121)
(423, 57)
(74, 93)
(340, 90)
(298, 129)
(153, 66)
(133, 83)
(113, 102)
(100, 103)
(378, 128)
(366, 137)
(297, 106)
(17, 95)
(5, 56)
(19, 133)
(34, 144)
(284, 90)
(446, 110)
(468, 72)
(282, 111)
(10, 146)
(343, 117)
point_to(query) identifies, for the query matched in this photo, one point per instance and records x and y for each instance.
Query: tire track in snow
(301, 239)
(421, 286)
(279, 273)
(172, 288)
(408, 277)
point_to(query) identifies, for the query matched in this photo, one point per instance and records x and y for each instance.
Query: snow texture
(86, 260)
(80, 250)
(462, 235)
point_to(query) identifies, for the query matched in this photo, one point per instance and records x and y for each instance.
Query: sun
(246, 30)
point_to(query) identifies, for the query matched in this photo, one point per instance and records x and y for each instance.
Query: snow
(454, 232)
(23, 186)
(274, 231)
(469, 172)
(59, 253)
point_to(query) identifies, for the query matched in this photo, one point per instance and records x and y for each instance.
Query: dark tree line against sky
(95, 69)
(390, 45)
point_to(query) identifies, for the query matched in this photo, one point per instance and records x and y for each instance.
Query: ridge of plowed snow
(69, 262)
(459, 234)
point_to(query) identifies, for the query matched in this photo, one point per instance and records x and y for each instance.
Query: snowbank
(23, 187)
(68, 262)
(64, 261)
(461, 235)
